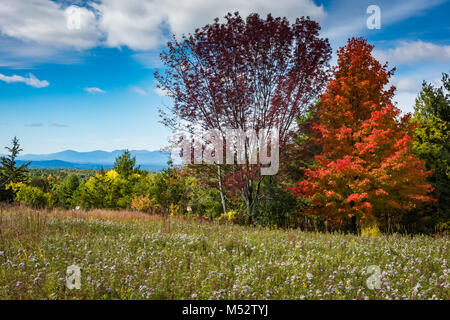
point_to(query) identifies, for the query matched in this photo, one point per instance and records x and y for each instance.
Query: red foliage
(366, 168)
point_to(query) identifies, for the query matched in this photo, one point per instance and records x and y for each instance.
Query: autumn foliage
(366, 169)
(253, 73)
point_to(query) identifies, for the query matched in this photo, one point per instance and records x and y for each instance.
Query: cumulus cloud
(405, 84)
(411, 52)
(94, 90)
(140, 24)
(48, 23)
(137, 24)
(408, 87)
(31, 80)
(17, 54)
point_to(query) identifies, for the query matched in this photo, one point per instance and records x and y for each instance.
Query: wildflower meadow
(130, 255)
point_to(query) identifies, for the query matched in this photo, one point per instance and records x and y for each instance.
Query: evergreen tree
(9, 172)
(124, 164)
(432, 114)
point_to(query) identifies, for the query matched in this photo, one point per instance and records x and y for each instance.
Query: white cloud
(139, 90)
(407, 84)
(137, 24)
(161, 92)
(133, 23)
(411, 52)
(46, 22)
(94, 90)
(17, 54)
(407, 89)
(31, 80)
(405, 101)
(185, 16)
(145, 24)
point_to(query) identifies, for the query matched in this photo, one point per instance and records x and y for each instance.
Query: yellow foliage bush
(112, 174)
(228, 216)
(232, 216)
(370, 231)
(174, 210)
(15, 186)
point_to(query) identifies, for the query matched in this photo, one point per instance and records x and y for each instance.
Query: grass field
(126, 255)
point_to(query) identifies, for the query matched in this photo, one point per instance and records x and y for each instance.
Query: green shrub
(67, 193)
(166, 188)
(277, 207)
(33, 197)
(206, 202)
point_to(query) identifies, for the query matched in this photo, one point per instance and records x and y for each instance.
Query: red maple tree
(366, 170)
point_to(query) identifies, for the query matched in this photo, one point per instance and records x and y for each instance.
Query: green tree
(168, 188)
(67, 192)
(9, 172)
(124, 164)
(432, 114)
(278, 207)
(33, 197)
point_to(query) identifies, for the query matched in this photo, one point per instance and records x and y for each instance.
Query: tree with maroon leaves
(251, 73)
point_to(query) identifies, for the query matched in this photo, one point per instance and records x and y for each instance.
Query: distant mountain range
(70, 159)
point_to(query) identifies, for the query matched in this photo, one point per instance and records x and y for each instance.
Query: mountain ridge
(143, 157)
(97, 159)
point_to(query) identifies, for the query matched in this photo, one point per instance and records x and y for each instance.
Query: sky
(79, 74)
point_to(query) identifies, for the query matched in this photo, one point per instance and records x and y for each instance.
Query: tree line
(348, 158)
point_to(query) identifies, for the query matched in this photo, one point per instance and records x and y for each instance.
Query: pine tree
(9, 172)
(432, 114)
(124, 164)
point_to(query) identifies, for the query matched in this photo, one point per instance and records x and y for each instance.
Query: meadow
(131, 255)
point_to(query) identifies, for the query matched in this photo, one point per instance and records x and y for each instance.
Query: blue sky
(93, 88)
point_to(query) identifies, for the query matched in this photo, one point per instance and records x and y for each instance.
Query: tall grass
(128, 255)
